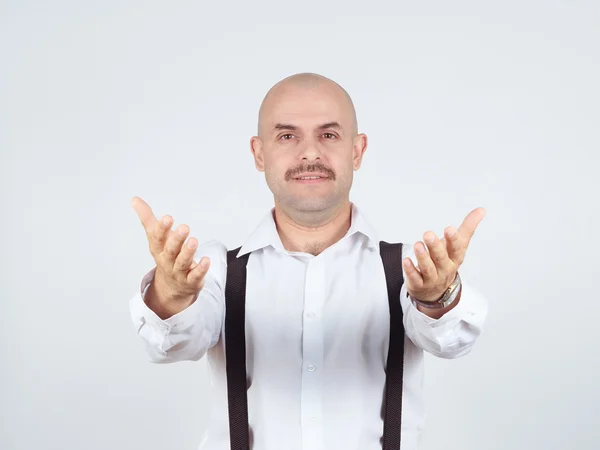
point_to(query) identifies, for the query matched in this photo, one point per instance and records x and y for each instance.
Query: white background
(466, 104)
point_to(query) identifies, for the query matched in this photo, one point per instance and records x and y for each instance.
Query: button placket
(312, 345)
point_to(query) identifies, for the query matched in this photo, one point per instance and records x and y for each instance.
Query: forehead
(307, 107)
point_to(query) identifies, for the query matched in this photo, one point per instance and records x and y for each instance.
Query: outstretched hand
(437, 268)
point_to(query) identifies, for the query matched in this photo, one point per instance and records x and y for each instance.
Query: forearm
(185, 336)
(454, 332)
(170, 335)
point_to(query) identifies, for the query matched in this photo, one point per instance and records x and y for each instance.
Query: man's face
(307, 146)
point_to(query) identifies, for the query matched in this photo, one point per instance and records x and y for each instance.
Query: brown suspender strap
(235, 348)
(391, 254)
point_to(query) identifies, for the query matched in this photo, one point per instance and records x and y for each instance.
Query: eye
(329, 135)
(286, 137)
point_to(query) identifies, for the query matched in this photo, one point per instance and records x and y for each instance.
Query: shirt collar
(266, 233)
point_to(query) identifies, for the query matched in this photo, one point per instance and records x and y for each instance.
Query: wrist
(165, 305)
(449, 296)
(439, 313)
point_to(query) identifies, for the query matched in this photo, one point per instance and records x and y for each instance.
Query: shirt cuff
(142, 314)
(471, 303)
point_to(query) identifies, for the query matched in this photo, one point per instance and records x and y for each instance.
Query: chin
(315, 204)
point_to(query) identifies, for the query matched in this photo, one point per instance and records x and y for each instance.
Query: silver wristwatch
(449, 296)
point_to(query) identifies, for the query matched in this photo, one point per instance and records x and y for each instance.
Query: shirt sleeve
(189, 334)
(452, 335)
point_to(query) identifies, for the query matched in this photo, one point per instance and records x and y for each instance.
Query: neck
(312, 232)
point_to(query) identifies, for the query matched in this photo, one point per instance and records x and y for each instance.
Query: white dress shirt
(317, 335)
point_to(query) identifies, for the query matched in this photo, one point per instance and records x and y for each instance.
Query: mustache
(317, 167)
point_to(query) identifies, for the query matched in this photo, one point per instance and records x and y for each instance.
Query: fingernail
(419, 248)
(451, 232)
(165, 221)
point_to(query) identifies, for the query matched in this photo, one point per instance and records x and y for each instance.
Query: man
(317, 313)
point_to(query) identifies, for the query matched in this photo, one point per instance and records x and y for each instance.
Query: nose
(310, 151)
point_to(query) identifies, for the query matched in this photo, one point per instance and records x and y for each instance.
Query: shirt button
(313, 419)
(311, 314)
(311, 368)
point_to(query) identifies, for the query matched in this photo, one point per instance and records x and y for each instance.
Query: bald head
(307, 125)
(293, 94)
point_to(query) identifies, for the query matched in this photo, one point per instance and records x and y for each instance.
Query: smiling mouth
(311, 177)
(307, 176)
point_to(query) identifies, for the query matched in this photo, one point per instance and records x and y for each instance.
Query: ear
(358, 150)
(257, 150)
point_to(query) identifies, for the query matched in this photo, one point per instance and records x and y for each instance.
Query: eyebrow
(287, 126)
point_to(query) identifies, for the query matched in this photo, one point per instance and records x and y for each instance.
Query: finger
(159, 234)
(469, 225)
(185, 258)
(438, 253)
(414, 279)
(197, 274)
(174, 243)
(455, 245)
(426, 265)
(144, 213)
